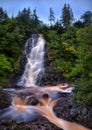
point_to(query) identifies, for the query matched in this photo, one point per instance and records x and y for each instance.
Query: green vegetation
(69, 46)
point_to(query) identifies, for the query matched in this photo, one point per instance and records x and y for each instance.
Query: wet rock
(75, 113)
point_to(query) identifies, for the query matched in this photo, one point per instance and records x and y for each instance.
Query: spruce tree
(3, 14)
(67, 16)
(51, 17)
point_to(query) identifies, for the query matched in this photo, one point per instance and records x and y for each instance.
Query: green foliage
(62, 66)
(82, 69)
(83, 53)
(84, 92)
(11, 39)
(68, 47)
(70, 35)
(6, 68)
(62, 48)
(5, 64)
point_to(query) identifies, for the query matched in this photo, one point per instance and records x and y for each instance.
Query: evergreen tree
(35, 22)
(34, 15)
(24, 16)
(3, 14)
(67, 15)
(87, 17)
(28, 21)
(57, 24)
(78, 24)
(51, 17)
(24, 20)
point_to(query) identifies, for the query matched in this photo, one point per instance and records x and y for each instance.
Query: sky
(79, 7)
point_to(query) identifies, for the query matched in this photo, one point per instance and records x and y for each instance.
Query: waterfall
(34, 68)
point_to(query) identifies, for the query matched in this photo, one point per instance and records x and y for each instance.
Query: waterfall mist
(34, 68)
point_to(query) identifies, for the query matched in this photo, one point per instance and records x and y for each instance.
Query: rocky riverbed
(65, 108)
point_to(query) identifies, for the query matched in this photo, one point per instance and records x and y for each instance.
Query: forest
(69, 44)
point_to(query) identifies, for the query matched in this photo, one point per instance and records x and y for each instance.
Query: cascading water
(34, 68)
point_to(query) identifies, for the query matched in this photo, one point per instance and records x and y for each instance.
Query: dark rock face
(51, 78)
(68, 110)
(4, 99)
(39, 124)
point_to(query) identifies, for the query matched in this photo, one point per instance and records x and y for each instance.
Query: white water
(35, 61)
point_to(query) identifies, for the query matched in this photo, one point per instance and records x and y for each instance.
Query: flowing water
(34, 68)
